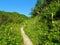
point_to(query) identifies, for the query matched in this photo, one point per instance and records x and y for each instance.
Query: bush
(10, 34)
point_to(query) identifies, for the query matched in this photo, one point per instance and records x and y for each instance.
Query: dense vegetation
(10, 23)
(43, 27)
(10, 34)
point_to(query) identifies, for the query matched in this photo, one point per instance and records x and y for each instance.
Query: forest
(43, 27)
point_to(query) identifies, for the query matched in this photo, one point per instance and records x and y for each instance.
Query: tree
(39, 6)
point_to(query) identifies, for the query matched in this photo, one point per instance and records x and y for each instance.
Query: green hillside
(44, 28)
(10, 23)
(11, 17)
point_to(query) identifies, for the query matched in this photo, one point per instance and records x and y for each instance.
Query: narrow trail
(26, 39)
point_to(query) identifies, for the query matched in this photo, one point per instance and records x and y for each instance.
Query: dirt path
(26, 39)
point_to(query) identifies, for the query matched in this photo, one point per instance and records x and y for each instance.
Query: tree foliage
(40, 5)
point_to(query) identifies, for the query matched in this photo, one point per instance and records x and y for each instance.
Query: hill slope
(10, 23)
(44, 29)
(6, 17)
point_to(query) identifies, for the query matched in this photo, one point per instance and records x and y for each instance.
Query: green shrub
(10, 34)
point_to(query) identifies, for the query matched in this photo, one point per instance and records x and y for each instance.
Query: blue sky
(21, 6)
